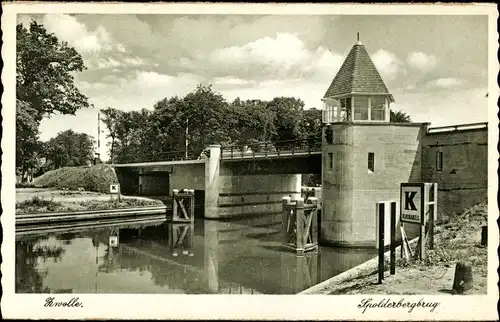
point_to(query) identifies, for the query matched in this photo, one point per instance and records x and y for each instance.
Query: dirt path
(431, 280)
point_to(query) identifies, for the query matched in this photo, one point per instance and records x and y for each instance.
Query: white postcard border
(293, 307)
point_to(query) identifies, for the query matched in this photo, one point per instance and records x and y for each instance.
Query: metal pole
(393, 238)
(187, 132)
(98, 135)
(381, 217)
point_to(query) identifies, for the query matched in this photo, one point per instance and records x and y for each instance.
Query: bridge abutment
(212, 176)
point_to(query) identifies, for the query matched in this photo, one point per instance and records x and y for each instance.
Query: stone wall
(351, 189)
(246, 194)
(463, 178)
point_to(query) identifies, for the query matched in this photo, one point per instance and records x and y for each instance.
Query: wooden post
(314, 221)
(403, 245)
(393, 238)
(301, 233)
(175, 208)
(431, 225)
(381, 217)
(484, 235)
(286, 202)
(191, 205)
(183, 205)
(422, 224)
(421, 243)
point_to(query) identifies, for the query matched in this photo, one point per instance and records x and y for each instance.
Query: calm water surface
(232, 257)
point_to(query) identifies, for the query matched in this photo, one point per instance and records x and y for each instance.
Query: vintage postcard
(249, 161)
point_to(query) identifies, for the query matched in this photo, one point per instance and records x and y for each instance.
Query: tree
(288, 118)
(400, 117)
(312, 126)
(44, 72)
(112, 119)
(27, 143)
(208, 113)
(69, 148)
(44, 85)
(250, 122)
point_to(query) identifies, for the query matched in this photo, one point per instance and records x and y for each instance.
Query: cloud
(388, 64)
(134, 61)
(421, 61)
(283, 56)
(449, 107)
(139, 89)
(230, 81)
(107, 63)
(446, 82)
(68, 28)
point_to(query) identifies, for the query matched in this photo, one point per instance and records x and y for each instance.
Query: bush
(37, 204)
(95, 178)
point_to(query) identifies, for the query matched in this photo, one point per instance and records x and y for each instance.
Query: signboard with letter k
(114, 188)
(412, 198)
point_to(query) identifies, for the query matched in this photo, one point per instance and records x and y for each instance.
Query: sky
(435, 66)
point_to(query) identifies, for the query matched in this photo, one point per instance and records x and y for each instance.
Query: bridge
(234, 180)
(261, 150)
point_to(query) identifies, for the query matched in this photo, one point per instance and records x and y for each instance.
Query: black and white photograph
(258, 161)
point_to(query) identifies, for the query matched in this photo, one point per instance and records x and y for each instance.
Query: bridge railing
(180, 155)
(268, 149)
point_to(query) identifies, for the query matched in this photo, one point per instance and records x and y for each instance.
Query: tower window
(371, 162)
(361, 108)
(330, 161)
(439, 161)
(377, 108)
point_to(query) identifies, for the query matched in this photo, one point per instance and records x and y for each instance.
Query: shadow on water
(204, 257)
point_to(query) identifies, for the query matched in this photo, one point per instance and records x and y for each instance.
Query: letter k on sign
(409, 203)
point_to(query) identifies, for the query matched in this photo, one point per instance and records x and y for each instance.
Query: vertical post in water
(299, 221)
(191, 205)
(175, 208)
(393, 238)
(381, 217)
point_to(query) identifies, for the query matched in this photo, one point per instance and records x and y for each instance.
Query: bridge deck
(225, 157)
(157, 163)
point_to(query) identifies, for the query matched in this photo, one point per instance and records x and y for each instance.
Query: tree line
(45, 86)
(204, 117)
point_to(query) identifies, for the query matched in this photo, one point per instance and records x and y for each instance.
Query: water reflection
(207, 257)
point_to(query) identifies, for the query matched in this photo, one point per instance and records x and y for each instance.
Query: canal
(208, 257)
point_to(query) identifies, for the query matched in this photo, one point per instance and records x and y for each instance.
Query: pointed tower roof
(357, 75)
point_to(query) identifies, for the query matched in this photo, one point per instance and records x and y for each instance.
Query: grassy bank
(38, 205)
(94, 178)
(457, 237)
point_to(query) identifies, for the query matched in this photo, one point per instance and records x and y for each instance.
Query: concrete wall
(350, 190)
(463, 180)
(188, 176)
(155, 184)
(246, 194)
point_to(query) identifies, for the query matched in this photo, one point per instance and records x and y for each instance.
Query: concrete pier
(212, 176)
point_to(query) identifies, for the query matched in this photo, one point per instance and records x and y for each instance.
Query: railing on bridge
(272, 149)
(261, 149)
(180, 155)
